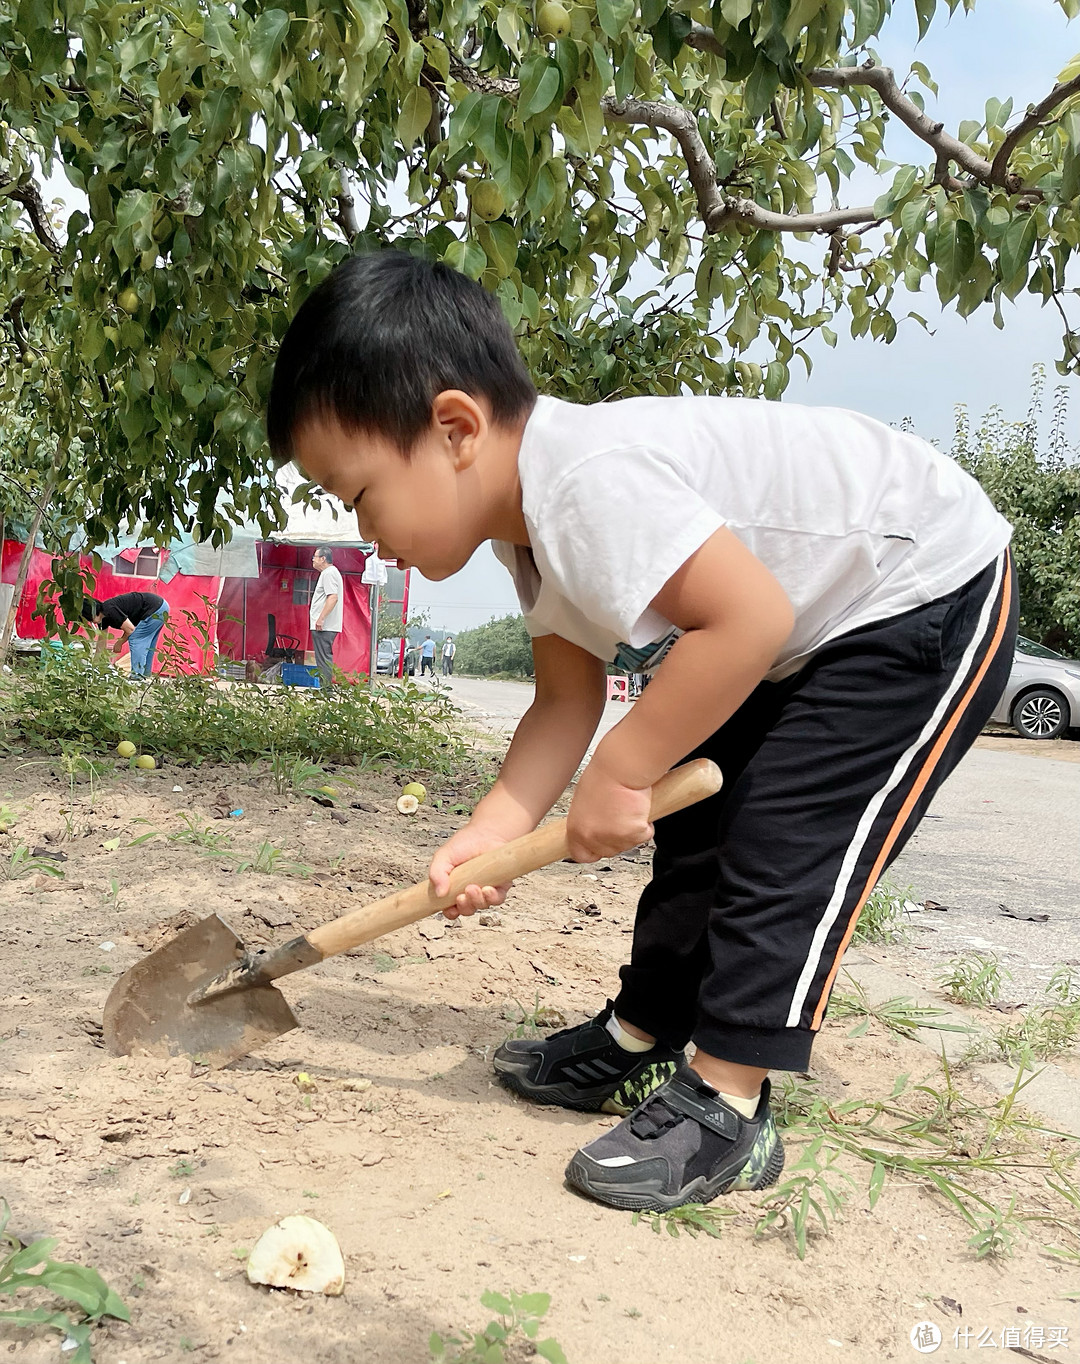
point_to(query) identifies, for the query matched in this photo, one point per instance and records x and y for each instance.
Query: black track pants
(756, 891)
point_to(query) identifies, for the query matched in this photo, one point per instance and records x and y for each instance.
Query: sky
(1005, 47)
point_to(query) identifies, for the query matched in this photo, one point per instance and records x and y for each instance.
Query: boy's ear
(462, 423)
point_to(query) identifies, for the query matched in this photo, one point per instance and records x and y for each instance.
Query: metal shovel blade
(147, 1012)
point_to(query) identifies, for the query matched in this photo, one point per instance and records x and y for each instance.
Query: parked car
(386, 661)
(1042, 699)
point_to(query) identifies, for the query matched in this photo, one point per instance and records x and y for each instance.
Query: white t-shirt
(857, 521)
(328, 585)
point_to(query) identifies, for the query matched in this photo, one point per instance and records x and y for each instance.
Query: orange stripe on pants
(932, 759)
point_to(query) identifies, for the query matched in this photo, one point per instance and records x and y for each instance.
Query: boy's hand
(468, 842)
(606, 817)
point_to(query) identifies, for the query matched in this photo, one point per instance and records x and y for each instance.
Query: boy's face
(425, 510)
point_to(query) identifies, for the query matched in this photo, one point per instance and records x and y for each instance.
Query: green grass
(883, 918)
(974, 978)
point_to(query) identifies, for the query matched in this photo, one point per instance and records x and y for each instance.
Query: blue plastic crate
(299, 675)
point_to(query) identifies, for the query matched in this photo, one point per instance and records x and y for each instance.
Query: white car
(1042, 699)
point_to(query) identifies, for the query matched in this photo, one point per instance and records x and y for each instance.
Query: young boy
(829, 607)
(140, 618)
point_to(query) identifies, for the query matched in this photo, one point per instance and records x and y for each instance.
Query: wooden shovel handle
(681, 787)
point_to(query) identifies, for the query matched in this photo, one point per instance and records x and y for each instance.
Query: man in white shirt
(327, 602)
(449, 649)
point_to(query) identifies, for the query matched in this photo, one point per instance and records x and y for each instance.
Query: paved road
(1004, 829)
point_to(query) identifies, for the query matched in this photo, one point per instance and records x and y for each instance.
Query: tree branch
(705, 40)
(718, 209)
(1027, 125)
(881, 79)
(28, 194)
(346, 217)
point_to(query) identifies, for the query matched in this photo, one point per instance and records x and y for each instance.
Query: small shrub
(85, 705)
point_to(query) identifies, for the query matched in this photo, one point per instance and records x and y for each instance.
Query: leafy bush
(83, 701)
(1038, 490)
(501, 647)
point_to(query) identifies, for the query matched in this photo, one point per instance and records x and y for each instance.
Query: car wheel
(1041, 714)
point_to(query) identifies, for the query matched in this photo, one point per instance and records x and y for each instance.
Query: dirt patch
(1007, 741)
(437, 1183)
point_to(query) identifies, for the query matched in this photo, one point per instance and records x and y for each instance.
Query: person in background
(327, 613)
(449, 649)
(427, 656)
(139, 616)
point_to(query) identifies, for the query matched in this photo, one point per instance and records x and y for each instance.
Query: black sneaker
(683, 1145)
(584, 1068)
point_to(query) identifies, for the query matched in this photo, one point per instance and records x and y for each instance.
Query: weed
(182, 1168)
(8, 817)
(202, 836)
(31, 1267)
(883, 916)
(999, 1233)
(292, 773)
(530, 1022)
(110, 896)
(1064, 984)
(974, 978)
(383, 961)
(900, 1015)
(309, 1193)
(814, 1193)
(103, 970)
(518, 1323)
(186, 1344)
(1039, 1034)
(240, 1252)
(23, 863)
(690, 1217)
(271, 860)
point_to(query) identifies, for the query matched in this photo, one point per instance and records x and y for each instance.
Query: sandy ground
(437, 1183)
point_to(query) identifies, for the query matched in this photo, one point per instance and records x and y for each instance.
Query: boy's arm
(736, 617)
(126, 630)
(550, 740)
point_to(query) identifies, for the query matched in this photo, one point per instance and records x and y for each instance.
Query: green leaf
(219, 113)
(1016, 247)
(532, 1304)
(761, 87)
(868, 16)
(495, 1302)
(669, 34)
(550, 1350)
(267, 36)
(541, 86)
(733, 12)
(415, 115)
(614, 16)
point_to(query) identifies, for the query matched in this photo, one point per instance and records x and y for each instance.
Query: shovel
(205, 994)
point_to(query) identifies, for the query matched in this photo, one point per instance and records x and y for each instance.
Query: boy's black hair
(376, 342)
(91, 607)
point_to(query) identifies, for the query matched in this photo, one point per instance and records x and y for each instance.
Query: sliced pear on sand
(298, 1253)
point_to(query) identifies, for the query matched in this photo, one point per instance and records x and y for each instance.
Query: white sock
(624, 1039)
(747, 1107)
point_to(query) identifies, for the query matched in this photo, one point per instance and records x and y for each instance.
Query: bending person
(139, 616)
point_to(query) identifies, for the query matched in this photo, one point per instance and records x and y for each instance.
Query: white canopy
(329, 524)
